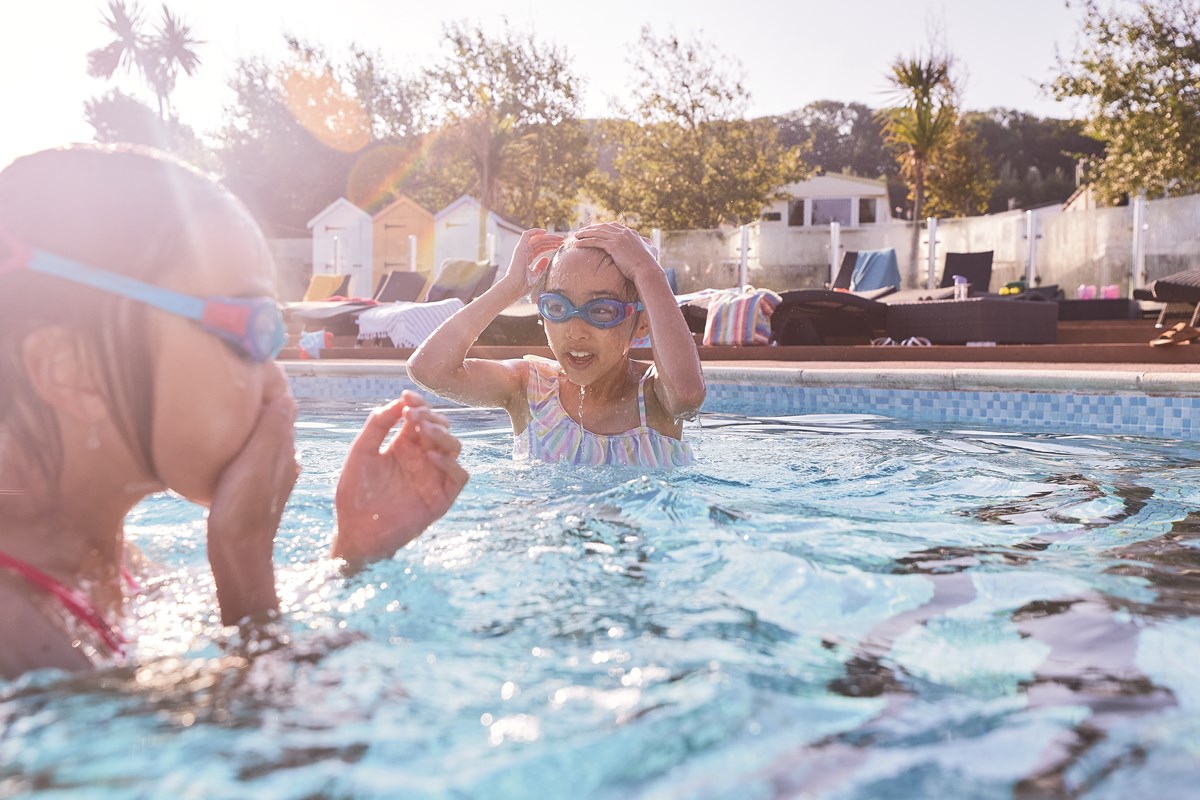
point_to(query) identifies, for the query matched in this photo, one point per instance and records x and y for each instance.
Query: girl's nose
(577, 329)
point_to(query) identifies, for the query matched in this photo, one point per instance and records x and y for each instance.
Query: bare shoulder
(32, 641)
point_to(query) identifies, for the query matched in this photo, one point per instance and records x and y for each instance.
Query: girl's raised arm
(441, 365)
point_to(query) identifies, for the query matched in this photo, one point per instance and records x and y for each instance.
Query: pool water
(841, 606)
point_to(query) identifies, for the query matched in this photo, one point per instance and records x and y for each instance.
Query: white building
(341, 242)
(846, 199)
(456, 234)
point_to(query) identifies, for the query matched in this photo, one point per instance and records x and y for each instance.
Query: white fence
(1097, 246)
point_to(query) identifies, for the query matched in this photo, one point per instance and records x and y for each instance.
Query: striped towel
(740, 317)
(406, 324)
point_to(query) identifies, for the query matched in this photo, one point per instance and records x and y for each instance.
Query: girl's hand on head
(246, 508)
(532, 256)
(388, 495)
(632, 253)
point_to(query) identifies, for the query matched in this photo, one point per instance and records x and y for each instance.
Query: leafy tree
(353, 125)
(158, 57)
(687, 158)
(510, 116)
(839, 137)
(960, 180)
(1136, 73)
(118, 117)
(1034, 159)
(921, 125)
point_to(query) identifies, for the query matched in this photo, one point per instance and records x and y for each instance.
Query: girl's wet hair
(120, 208)
(629, 288)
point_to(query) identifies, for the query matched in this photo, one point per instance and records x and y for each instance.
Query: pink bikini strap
(72, 600)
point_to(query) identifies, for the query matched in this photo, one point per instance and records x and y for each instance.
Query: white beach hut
(341, 241)
(456, 234)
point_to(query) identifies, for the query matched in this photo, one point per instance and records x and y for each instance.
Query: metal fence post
(835, 247)
(931, 224)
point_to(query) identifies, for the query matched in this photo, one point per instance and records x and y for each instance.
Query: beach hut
(393, 248)
(341, 242)
(457, 234)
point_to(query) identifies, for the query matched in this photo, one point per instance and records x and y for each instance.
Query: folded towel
(740, 317)
(406, 324)
(875, 269)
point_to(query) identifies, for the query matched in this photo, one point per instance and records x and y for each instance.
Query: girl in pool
(602, 289)
(138, 331)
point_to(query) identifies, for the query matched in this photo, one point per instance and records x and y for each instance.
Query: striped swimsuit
(552, 436)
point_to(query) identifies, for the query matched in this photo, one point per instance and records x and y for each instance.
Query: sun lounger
(975, 267)
(461, 279)
(322, 287)
(1179, 289)
(992, 320)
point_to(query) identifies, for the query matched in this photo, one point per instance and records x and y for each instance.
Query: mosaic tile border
(1128, 403)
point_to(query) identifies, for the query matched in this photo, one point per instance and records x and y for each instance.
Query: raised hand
(633, 254)
(388, 495)
(531, 256)
(246, 507)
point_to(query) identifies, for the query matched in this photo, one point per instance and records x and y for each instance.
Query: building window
(830, 209)
(866, 210)
(772, 216)
(795, 212)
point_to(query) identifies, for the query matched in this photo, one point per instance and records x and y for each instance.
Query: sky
(789, 52)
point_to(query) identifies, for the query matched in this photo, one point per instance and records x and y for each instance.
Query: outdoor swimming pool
(848, 605)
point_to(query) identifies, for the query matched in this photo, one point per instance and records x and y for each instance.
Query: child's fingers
(441, 439)
(454, 476)
(428, 434)
(380, 422)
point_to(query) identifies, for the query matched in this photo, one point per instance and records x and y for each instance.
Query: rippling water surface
(844, 606)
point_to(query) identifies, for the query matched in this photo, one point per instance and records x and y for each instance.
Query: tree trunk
(914, 270)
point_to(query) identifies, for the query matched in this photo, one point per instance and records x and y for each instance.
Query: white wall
(1092, 246)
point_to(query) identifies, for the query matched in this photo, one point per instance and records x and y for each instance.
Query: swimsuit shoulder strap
(642, 398)
(74, 601)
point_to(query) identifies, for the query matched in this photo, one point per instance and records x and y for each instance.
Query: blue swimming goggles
(252, 326)
(602, 312)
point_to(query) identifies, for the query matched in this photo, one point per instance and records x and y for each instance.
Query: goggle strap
(114, 283)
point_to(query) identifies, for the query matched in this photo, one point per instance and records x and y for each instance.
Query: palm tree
(158, 57)
(127, 50)
(172, 50)
(922, 124)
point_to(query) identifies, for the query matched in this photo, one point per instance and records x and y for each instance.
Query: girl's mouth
(580, 359)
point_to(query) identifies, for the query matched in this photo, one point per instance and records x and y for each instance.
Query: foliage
(509, 131)
(353, 128)
(117, 117)
(960, 180)
(1033, 159)
(158, 57)
(1136, 74)
(921, 126)
(685, 157)
(923, 121)
(839, 137)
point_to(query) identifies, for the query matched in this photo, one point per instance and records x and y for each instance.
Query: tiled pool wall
(1159, 404)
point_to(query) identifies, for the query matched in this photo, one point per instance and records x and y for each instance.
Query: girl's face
(584, 351)
(207, 398)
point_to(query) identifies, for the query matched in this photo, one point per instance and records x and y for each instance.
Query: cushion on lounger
(740, 317)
